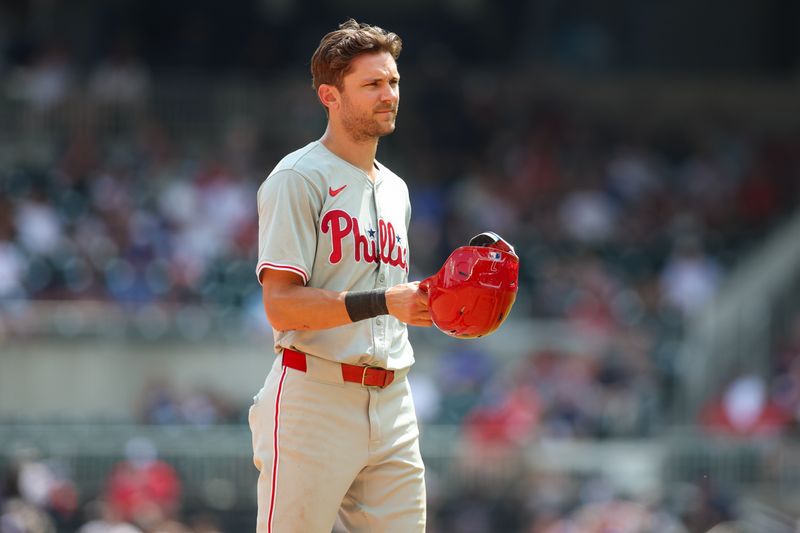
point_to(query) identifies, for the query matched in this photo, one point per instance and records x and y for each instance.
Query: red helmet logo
(474, 290)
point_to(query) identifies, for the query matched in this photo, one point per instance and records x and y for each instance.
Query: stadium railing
(215, 463)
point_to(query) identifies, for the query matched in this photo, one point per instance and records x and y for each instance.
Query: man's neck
(358, 154)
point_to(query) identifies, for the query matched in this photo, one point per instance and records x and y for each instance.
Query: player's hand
(408, 303)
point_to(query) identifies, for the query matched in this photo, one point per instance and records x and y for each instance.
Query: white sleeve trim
(280, 266)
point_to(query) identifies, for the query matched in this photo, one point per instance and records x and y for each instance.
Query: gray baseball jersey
(325, 220)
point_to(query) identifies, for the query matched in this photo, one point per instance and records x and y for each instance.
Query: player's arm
(291, 305)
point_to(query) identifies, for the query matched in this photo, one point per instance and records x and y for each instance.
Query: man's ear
(329, 96)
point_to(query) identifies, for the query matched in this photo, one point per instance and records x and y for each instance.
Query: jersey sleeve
(288, 216)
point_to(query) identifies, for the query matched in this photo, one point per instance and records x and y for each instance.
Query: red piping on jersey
(275, 453)
(278, 266)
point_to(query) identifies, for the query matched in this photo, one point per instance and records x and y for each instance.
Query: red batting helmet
(474, 290)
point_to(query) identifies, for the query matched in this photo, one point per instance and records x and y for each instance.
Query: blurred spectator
(508, 422)
(143, 489)
(121, 79)
(690, 278)
(38, 226)
(18, 516)
(160, 404)
(42, 484)
(744, 409)
(589, 309)
(786, 371)
(36, 495)
(48, 80)
(461, 373)
(199, 406)
(588, 217)
(633, 174)
(202, 406)
(104, 519)
(12, 269)
(707, 504)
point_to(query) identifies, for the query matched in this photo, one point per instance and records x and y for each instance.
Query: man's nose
(390, 94)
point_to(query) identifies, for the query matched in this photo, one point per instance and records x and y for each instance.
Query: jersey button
(378, 321)
(381, 278)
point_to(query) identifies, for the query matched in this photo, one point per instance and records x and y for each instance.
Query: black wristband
(365, 304)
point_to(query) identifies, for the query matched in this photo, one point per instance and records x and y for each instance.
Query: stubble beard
(364, 127)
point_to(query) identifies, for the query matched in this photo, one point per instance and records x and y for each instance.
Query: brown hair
(336, 51)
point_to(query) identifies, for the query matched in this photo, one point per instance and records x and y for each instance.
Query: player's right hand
(409, 304)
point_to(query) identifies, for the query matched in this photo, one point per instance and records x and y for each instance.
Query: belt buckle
(364, 375)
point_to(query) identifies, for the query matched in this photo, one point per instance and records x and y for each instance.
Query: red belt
(370, 376)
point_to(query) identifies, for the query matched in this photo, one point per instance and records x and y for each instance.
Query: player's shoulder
(313, 162)
(298, 168)
(299, 160)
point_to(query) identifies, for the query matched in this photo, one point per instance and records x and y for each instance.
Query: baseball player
(334, 428)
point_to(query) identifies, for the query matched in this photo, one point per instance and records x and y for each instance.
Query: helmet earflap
(492, 240)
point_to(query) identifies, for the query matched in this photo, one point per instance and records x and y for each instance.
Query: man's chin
(386, 130)
(376, 131)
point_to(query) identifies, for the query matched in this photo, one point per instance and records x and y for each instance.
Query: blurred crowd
(546, 394)
(142, 494)
(551, 502)
(624, 233)
(761, 405)
(162, 403)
